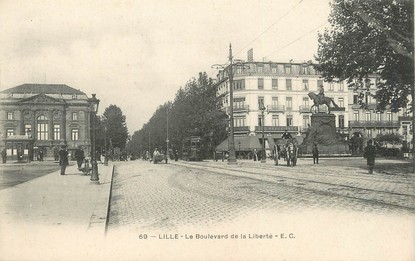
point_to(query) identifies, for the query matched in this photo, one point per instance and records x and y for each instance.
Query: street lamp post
(239, 150)
(263, 160)
(231, 140)
(167, 136)
(94, 174)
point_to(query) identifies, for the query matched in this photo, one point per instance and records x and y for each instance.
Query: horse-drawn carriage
(287, 149)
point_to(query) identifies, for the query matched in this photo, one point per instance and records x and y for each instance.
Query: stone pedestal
(323, 132)
(323, 128)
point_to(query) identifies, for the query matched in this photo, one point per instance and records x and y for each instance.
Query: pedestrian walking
(370, 155)
(4, 155)
(315, 153)
(63, 159)
(79, 156)
(41, 155)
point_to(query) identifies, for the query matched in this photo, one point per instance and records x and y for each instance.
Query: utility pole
(232, 157)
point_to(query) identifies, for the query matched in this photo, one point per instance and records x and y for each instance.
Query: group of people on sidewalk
(64, 161)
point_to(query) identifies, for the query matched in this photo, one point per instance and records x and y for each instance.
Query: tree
(115, 125)
(368, 37)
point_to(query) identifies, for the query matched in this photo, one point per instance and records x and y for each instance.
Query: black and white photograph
(207, 130)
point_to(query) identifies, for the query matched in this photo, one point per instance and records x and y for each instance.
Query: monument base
(323, 133)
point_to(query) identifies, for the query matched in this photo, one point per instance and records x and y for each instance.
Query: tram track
(369, 195)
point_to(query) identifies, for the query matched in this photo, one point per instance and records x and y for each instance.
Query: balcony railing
(373, 124)
(276, 128)
(275, 108)
(305, 108)
(240, 129)
(241, 108)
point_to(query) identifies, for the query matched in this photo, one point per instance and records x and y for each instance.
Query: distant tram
(192, 149)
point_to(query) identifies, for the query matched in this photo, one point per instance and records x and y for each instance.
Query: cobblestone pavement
(193, 194)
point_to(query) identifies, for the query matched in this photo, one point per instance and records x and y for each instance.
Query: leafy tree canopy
(368, 37)
(115, 125)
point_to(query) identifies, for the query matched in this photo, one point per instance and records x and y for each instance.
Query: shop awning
(242, 143)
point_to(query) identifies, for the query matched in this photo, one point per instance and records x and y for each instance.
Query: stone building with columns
(43, 117)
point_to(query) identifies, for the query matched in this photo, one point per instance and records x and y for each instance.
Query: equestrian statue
(320, 99)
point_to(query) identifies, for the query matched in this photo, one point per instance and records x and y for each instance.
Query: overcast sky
(137, 54)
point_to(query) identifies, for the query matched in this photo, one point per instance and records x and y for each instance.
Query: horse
(325, 100)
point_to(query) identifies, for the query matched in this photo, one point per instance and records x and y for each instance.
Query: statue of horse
(324, 100)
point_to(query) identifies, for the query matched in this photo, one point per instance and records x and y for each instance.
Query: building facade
(283, 88)
(38, 118)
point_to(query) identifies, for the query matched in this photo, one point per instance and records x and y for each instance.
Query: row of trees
(194, 111)
(111, 129)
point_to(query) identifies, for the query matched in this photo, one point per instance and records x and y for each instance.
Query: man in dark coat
(315, 153)
(286, 135)
(63, 159)
(79, 156)
(370, 155)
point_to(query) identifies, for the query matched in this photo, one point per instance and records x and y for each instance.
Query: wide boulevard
(182, 195)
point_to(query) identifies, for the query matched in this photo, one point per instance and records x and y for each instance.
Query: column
(34, 127)
(50, 115)
(22, 130)
(63, 125)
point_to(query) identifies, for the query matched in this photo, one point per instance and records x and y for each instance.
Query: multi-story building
(36, 117)
(282, 89)
(366, 122)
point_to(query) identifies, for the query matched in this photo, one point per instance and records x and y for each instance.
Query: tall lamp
(94, 107)
(263, 140)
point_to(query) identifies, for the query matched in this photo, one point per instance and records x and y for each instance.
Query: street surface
(181, 194)
(12, 174)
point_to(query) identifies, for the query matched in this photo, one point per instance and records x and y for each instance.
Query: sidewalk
(53, 207)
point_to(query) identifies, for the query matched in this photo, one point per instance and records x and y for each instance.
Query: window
(368, 116)
(341, 86)
(9, 132)
(274, 101)
(378, 116)
(379, 131)
(42, 131)
(341, 102)
(331, 86)
(239, 85)
(275, 84)
(260, 68)
(260, 123)
(289, 103)
(389, 116)
(356, 116)
(288, 84)
(239, 103)
(319, 83)
(355, 98)
(260, 83)
(28, 130)
(10, 115)
(306, 102)
(275, 120)
(306, 121)
(74, 116)
(75, 134)
(305, 85)
(289, 120)
(274, 69)
(305, 70)
(56, 132)
(369, 133)
(287, 69)
(260, 102)
(341, 121)
(239, 121)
